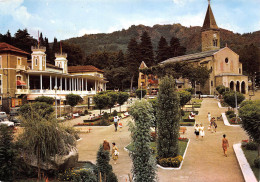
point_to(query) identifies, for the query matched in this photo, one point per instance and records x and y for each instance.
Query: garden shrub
(86, 112)
(188, 120)
(257, 162)
(171, 161)
(251, 146)
(105, 116)
(114, 113)
(229, 112)
(77, 175)
(232, 115)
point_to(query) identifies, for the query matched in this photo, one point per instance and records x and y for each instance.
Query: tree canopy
(73, 99)
(230, 98)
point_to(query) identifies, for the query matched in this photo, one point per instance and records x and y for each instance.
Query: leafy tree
(250, 58)
(122, 98)
(175, 48)
(44, 109)
(198, 74)
(133, 60)
(250, 115)
(168, 118)
(139, 91)
(221, 89)
(104, 167)
(143, 163)
(23, 40)
(73, 99)
(230, 99)
(7, 38)
(146, 49)
(118, 78)
(43, 138)
(48, 100)
(112, 99)
(8, 154)
(120, 59)
(101, 101)
(184, 96)
(162, 52)
(55, 49)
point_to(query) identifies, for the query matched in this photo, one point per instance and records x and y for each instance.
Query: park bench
(182, 130)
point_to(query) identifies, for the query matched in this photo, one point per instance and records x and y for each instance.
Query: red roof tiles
(87, 68)
(4, 47)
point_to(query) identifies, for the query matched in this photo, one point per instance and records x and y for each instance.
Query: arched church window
(36, 61)
(215, 42)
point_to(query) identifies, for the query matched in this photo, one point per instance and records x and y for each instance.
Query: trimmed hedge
(188, 120)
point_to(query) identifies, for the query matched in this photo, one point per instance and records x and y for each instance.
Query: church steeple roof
(209, 21)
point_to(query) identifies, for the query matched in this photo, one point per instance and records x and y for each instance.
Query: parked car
(8, 123)
(15, 119)
(14, 111)
(3, 115)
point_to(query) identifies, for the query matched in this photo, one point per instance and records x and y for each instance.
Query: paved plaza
(204, 159)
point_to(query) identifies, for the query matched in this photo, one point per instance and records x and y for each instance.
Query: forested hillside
(190, 37)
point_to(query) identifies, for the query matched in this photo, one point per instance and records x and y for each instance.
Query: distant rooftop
(4, 47)
(190, 57)
(87, 68)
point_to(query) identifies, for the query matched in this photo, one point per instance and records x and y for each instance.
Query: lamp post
(55, 88)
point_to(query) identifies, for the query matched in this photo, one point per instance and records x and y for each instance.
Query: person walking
(213, 125)
(106, 145)
(197, 131)
(209, 116)
(225, 145)
(115, 152)
(115, 122)
(202, 132)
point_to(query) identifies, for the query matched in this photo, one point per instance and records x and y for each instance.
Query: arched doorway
(231, 85)
(238, 86)
(243, 87)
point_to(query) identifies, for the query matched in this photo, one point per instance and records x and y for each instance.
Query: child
(120, 126)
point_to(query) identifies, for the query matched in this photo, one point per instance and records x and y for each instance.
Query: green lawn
(251, 156)
(182, 147)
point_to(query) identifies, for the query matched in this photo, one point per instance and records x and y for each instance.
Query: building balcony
(62, 92)
(20, 67)
(22, 91)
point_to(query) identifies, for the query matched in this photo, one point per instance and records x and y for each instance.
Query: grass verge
(251, 156)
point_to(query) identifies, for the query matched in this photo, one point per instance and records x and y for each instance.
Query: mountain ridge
(190, 37)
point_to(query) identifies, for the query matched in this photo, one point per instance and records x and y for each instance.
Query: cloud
(182, 2)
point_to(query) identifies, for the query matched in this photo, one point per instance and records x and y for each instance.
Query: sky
(65, 19)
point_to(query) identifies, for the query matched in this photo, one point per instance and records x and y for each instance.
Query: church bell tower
(210, 33)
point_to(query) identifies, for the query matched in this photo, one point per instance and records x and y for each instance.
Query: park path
(204, 159)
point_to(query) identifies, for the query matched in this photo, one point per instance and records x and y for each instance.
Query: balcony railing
(20, 67)
(52, 92)
(22, 91)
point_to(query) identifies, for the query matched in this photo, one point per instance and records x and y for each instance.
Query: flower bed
(173, 161)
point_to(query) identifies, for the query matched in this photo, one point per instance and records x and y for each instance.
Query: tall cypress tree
(146, 49)
(162, 52)
(143, 163)
(104, 167)
(168, 117)
(133, 60)
(175, 47)
(120, 59)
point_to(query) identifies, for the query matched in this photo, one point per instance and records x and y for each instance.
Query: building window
(36, 61)
(215, 42)
(19, 61)
(239, 70)
(0, 61)
(226, 60)
(211, 83)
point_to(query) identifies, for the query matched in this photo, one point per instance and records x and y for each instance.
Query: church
(223, 63)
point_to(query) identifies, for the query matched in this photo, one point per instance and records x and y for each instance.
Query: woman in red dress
(225, 145)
